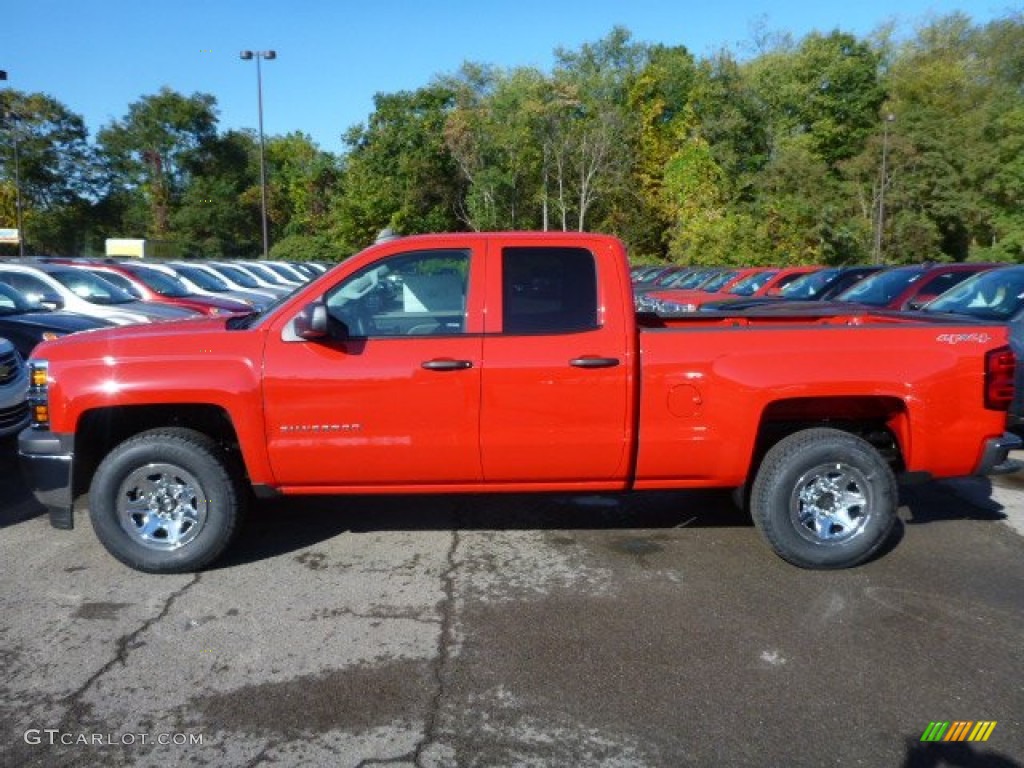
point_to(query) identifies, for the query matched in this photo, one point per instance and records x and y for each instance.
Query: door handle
(594, 362)
(446, 365)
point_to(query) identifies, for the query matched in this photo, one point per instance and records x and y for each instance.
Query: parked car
(239, 275)
(206, 282)
(896, 288)
(755, 283)
(715, 285)
(823, 285)
(909, 287)
(237, 280)
(261, 271)
(14, 410)
(996, 294)
(25, 324)
(154, 286)
(59, 286)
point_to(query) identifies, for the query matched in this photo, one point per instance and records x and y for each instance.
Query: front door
(394, 397)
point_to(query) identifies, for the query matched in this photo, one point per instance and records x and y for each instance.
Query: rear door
(557, 375)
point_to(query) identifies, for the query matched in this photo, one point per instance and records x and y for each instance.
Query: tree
(216, 215)
(398, 172)
(55, 172)
(148, 150)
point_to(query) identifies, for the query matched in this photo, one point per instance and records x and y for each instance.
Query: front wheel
(165, 501)
(824, 499)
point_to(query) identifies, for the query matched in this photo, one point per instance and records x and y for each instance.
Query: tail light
(1000, 365)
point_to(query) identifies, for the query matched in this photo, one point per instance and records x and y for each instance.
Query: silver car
(14, 414)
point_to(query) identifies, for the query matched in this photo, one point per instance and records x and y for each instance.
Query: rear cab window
(548, 290)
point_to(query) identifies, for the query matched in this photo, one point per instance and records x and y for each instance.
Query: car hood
(60, 322)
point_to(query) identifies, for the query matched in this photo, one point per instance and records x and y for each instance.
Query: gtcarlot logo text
(55, 736)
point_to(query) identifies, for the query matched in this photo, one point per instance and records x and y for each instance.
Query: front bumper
(46, 461)
(995, 458)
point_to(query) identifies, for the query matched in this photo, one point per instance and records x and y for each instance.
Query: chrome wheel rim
(831, 503)
(161, 506)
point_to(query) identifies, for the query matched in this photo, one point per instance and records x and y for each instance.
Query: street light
(269, 56)
(880, 223)
(17, 179)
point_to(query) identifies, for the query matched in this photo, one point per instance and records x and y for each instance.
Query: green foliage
(772, 158)
(307, 248)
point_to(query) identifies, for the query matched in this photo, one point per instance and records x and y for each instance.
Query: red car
(159, 287)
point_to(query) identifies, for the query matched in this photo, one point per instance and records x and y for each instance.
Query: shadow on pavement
(285, 525)
(17, 504)
(943, 500)
(953, 754)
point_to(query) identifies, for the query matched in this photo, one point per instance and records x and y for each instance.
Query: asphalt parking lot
(655, 630)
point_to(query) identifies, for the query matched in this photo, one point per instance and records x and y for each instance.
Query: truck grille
(10, 367)
(13, 417)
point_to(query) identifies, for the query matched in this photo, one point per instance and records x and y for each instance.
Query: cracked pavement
(656, 630)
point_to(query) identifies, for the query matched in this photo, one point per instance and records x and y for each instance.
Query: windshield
(719, 280)
(995, 295)
(88, 286)
(123, 283)
(882, 287)
(811, 285)
(267, 274)
(13, 303)
(237, 275)
(205, 280)
(748, 286)
(161, 282)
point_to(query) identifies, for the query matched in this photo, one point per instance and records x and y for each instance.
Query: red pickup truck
(508, 362)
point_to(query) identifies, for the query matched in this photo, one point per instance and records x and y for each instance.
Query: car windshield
(123, 283)
(811, 285)
(719, 280)
(161, 282)
(13, 303)
(267, 274)
(237, 275)
(748, 286)
(882, 287)
(88, 286)
(205, 280)
(997, 294)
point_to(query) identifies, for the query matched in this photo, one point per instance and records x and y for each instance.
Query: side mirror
(51, 301)
(311, 322)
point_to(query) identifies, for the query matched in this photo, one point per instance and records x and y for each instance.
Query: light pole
(17, 179)
(269, 56)
(880, 222)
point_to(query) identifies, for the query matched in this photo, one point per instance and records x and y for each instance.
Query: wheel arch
(100, 430)
(883, 421)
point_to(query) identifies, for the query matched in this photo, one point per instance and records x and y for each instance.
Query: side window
(422, 293)
(548, 290)
(28, 286)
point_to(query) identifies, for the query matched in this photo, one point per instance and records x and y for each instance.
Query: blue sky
(99, 56)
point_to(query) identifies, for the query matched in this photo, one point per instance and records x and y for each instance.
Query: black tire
(824, 499)
(166, 501)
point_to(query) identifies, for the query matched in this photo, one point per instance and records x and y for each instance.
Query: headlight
(674, 308)
(645, 303)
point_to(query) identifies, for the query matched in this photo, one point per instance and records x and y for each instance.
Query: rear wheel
(824, 498)
(165, 501)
